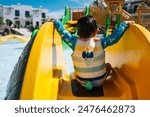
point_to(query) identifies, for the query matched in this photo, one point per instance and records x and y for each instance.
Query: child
(88, 51)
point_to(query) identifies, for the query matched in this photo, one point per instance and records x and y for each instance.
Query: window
(27, 23)
(135, 8)
(125, 8)
(27, 14)
(17, 13)
(43, 15)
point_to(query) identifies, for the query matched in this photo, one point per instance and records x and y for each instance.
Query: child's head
(86, 26)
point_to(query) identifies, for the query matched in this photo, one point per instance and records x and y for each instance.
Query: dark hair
(86, 26)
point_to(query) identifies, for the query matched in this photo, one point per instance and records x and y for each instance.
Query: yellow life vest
(89, 62)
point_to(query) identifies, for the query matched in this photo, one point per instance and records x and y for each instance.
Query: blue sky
(52, 5)
(56, 7)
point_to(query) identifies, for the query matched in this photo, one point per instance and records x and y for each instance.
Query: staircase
(127, 16)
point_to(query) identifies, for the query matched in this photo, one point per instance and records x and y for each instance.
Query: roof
(133, 1)
(144, 5)
(114, 1)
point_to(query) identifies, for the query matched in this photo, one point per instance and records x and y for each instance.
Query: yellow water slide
(44, 67)
(46, 78)
(130, 58)
(10, 37)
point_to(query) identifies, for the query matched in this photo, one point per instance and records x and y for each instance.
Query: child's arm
(65, 35)
(115, 36)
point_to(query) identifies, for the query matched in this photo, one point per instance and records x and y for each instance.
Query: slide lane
(45, 67)
(38, 74)
(131, 58)
(46, 77)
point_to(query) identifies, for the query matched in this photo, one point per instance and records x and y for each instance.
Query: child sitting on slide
(88, 51)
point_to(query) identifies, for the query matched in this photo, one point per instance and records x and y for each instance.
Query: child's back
(88, 51)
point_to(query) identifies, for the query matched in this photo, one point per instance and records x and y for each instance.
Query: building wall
(37, 16)
(8, 13)
(1, 11)
(34, 14)
(22, 18)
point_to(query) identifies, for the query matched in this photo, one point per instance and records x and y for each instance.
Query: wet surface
(9, 54)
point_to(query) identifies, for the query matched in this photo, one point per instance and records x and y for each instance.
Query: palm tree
(8, 22)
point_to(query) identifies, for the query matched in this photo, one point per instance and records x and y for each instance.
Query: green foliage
(9, 22)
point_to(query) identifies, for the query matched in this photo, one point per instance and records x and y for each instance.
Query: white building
(39, 16)
(1, 10)
(23, 15)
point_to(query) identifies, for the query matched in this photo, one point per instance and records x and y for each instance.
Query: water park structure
(43, 76)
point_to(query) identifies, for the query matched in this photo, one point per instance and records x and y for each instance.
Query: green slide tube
(67, 16)
(118, 21)
(107, 24)
(87, 11)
